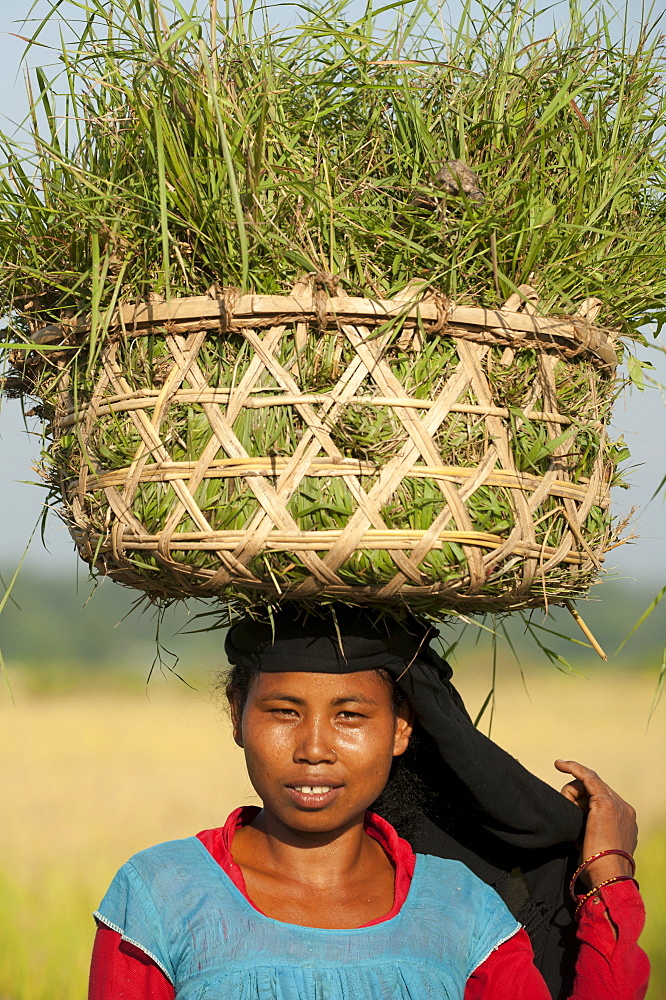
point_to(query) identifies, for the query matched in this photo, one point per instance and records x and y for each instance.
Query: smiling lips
(313, 796)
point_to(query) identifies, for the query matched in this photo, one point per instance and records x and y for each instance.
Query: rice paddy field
(100, 770)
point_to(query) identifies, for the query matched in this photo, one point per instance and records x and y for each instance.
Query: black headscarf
(481, 806)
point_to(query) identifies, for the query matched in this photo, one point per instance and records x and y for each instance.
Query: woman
(314, 895)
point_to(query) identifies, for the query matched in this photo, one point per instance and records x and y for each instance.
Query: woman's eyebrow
(362, 698)
(295, 700)
(281, 696)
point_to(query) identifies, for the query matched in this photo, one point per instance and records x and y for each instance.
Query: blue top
(178, 905)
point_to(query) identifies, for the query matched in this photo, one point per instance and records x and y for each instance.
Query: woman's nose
(315, 743)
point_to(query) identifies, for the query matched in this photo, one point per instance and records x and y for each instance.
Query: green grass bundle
(178, 155)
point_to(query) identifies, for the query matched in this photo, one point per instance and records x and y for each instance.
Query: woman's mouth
(313, 796)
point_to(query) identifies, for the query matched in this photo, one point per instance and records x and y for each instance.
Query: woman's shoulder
(432, 868)
(436, 866)
(454, 903)
(158, 854)
(446, 882)
(153, 889)
(161, 867)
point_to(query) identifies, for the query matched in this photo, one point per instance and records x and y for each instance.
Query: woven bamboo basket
(379, 547)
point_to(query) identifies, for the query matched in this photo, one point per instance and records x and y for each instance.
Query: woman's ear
(404, 724)
(236, 715)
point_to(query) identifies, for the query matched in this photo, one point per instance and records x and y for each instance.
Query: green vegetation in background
(46, 935)
(60, 632)
(59, 636)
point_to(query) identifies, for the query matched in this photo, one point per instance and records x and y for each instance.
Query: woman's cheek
(367, 750)
(266, 746)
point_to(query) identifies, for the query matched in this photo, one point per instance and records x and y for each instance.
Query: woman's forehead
(360, 685)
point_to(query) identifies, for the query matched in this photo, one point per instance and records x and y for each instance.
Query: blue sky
(640, 417)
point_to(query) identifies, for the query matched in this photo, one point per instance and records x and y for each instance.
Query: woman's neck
(312, 857)
(340, 878)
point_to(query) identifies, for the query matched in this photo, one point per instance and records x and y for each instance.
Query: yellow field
(89, 778)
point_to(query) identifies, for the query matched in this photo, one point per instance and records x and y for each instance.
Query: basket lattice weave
(273, 555)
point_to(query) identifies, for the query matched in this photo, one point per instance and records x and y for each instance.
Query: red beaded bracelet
(595, 857)
(595, 890)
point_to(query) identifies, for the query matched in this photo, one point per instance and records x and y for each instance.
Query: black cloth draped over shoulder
(477, 804)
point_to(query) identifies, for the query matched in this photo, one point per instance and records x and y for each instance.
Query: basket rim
(226, 311)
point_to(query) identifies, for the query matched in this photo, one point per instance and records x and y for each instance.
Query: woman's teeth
(313, 789)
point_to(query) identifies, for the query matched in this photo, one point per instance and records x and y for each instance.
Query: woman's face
(319, 747)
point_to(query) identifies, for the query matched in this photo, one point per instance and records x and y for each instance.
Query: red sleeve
(509, 973)
(610, 965)
(119, 971)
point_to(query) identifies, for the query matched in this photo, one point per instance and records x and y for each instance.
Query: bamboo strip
(233, 468)
(201, 581)
(205, 311)
(318, 541)
(146, 399)
(585, 629)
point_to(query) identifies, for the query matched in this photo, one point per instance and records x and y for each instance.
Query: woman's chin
(309, 817)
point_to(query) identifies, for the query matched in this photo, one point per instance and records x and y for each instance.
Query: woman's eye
(289, 712)
(350, 715)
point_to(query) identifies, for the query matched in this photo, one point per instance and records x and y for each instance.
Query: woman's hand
(610, 821)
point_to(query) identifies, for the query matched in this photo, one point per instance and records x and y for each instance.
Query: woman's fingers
(610, 821)
(585, 775)
(575, 792)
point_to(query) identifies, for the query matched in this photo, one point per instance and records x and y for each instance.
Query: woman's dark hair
(403, 799)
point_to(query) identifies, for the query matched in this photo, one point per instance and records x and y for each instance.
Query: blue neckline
(319, 930)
